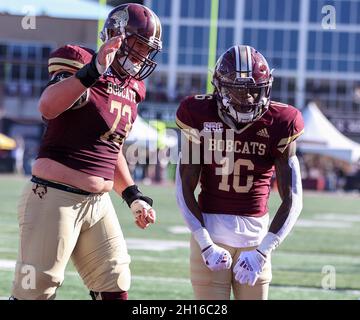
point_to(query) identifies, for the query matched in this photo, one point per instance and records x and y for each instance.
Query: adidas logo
(263, 133)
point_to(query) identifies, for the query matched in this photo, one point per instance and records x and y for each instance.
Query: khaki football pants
(216, 285)
(56, 225)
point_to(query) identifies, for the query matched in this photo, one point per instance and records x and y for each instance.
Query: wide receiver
(236, 137)
(89, 107)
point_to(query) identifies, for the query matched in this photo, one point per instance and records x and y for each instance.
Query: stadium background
(312, 64)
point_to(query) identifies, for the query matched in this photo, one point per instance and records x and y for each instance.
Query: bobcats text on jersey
(235, 177)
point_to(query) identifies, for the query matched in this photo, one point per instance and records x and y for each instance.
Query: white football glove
(249, 266)
(215, 257)
(143, 212)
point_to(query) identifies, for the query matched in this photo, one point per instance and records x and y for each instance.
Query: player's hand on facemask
(144, 214)
(216, 258)
(249, 267)
(107, 53)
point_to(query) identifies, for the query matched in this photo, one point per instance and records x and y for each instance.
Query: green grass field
(327, 236)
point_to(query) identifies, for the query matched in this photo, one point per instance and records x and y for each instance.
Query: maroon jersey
(88, 138)
(246, 158)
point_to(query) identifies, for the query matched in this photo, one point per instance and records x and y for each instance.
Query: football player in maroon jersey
(237, 137)
(89, 107)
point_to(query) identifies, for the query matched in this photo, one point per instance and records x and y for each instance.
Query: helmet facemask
(130, 61)
(243, 101)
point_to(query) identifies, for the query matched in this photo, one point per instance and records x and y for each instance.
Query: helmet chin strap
(128, 66)
(229, 119)
(237, 117)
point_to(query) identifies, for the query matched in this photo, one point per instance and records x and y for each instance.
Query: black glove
(88, 74)
(133, 193)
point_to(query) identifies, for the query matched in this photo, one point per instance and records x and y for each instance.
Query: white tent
(321, 137)
(144, 135)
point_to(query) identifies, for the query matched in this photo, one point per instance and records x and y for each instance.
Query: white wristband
(202, 237)
(269, 243)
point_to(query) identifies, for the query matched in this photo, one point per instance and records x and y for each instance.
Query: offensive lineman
(89, 106)
(237, 136)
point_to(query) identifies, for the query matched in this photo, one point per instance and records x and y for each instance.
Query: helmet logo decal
(121, 19)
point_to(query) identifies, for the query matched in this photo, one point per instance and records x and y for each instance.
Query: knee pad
(123, 295)
(108, 278)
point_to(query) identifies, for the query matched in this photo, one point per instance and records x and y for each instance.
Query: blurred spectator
(157, 90)
(162, 159)
(26, 89)
(12, 89)
(18, 155)
(330, 180)
(353, 179)
(341, 178)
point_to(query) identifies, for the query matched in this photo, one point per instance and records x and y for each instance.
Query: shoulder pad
(70, 58)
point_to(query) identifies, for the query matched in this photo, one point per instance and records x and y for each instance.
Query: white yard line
(9, 265)
(314, 223)
(313, 289)
(155, 245)
(320, 220)
(338, 217)
(8, 250)
(134, 244)
(272, 286)
(157, 259)
(319, 254)
(163, 245)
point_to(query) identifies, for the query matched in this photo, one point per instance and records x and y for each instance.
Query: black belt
(59, 186)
